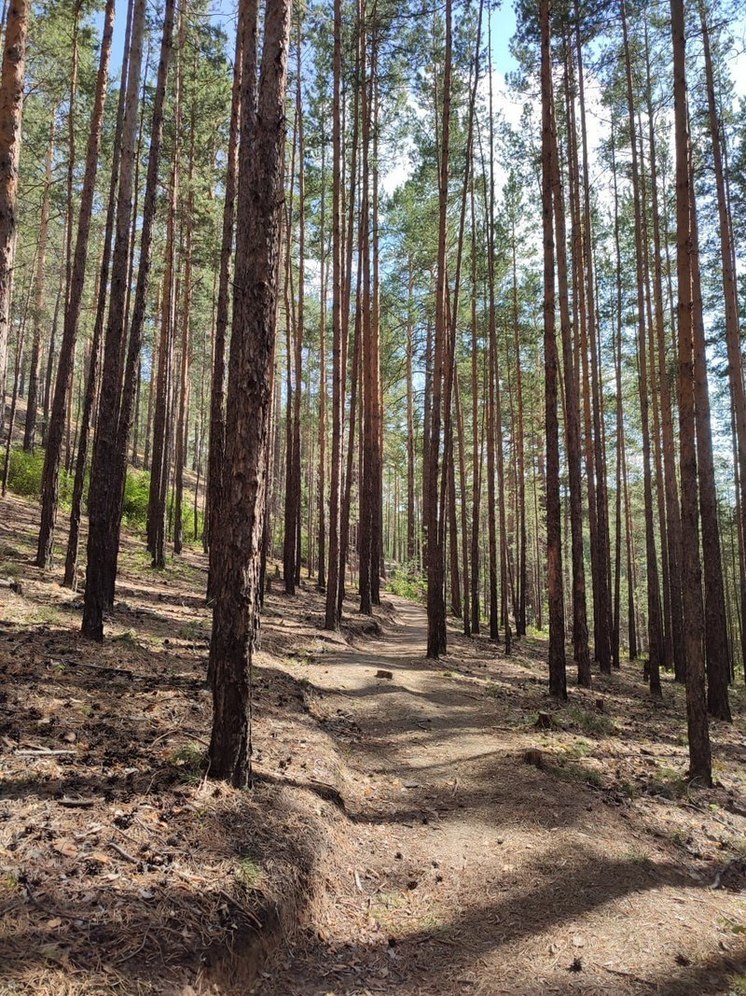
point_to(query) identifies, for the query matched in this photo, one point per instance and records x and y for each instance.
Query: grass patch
(593, 724)
(636, 856)
(25, 472)
(737, 984)
(193, 630)
(249, 873)
(45, 615)
(385, 908)
(680, 837)
(579, 749)
(494, 691)
(190, 762)
(629, 789)
(572, 772)
(667, 782)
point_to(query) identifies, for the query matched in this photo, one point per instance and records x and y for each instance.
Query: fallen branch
(100, 667)
(42, 752)
(124, 854)
(182, 733)
(719, 877)
(247, 913)
(627, 975)
(79, 803)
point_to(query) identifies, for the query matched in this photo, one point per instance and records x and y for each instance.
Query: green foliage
(591, 723)
(190, 762)
(668, 783)
(136, 493)
(407, 582)
(249, 873)
(25, 474)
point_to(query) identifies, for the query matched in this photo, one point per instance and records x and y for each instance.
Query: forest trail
(416, 834)
(463, 867)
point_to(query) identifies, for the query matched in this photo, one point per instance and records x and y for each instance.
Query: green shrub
(25, 473)
(136, 493)
(407, 582)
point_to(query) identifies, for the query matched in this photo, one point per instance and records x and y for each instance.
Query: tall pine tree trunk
(700, 763)
(258, 223)
(11, 113)
(217, 393)
(655, 622)
(557, 669)
(63, 382)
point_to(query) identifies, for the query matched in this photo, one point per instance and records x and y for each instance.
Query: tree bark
(557, 667)
(700, 763)
(258, 223)
(11, 114)
(655, 628)
(63, 382)
(572, 419)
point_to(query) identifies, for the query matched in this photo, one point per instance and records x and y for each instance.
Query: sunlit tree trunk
(11, 113)
(557, 667)
(655, 627)
(63, 383)
(700, 763)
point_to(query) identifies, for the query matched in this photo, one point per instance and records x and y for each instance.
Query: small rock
(384, 674)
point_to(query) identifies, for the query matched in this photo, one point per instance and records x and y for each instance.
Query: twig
(125, 854)
(719, 877)
(102, 667)
(181, 732)
(79, 803)
(42, 752)
(708, 814)
(247, 913)
(121, 961)
(628, 975)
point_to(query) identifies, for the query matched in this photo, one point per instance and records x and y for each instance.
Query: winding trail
(458, 867)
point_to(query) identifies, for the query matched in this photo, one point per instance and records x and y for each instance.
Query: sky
(223, 13)
(503, 28)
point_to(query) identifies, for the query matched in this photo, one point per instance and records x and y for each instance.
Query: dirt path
(460, 866)
(428, 838)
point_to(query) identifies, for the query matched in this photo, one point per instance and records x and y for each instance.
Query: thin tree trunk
(717, 650)
(91, 391)
(572, 427)
(11, 114)
(334, 580)
(217, 393)
(557, 668)
(731, 305)
(655, 628)
(436, 617)
(32, 399)
(65, 364)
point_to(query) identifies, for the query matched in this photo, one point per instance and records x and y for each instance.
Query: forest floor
(411, 834)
